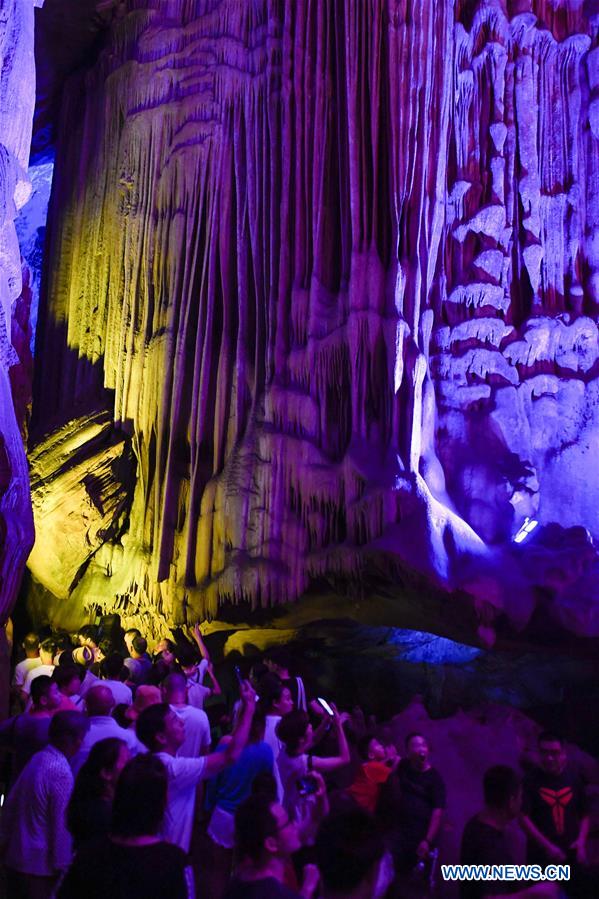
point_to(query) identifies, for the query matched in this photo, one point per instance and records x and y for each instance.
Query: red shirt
(367, 785)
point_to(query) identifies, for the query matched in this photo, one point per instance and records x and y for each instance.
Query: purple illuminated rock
(333, 269)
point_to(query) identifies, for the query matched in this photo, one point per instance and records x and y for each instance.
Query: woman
(90, 808)
(132, 862)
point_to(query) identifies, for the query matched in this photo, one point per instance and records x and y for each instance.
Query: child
(378, 763)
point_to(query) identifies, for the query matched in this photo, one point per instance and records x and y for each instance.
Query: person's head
(112, 666)
(45, 695)
(278, 661)
(275, 697)
(140, 798)
(371, 749)
(88, 636)
(47, 651)
(264, 831)
(102, 768)
(165, 651)
(187, 658)
(174, 688)
(417, 750)
(99, 701)
(139, 646)
(552, 753)
(67, 730)
(31, 645)
(67, 679)
(160, 729)
(129, 636)
(349, 849)
(105, 649)
(502, 789)
(295, 732)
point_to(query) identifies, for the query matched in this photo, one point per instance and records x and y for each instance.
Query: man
(197, 728)
(275, 702)
(138, 663)
(68, 680)
(351, 857)
(99, 703)
(46, 666)
(265, 839)
(34, 840)
(278, 662)
(417, 794)
(195, 671)
(27, 733)
(163, 732)
(32, 660)
(129, 636)
(484, 841)
(111, 670)
(556, 819)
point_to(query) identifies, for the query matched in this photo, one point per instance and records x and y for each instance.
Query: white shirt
(22, 670)
(36, 672)
(121, 692)
(197, 731)
(270, 737)
(100, 728)
(33, 826)
(197, 694)
(183, 778)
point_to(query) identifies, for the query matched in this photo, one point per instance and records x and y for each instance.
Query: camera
(307, 786)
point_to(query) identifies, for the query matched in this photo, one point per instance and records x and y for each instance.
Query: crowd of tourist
(118, 783)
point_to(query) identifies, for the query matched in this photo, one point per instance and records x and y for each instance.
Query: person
(417, 797)
(129, 636)
(484, 840)
(275, 702)
(145, 696)
(278, 661)
(138, 663)
(99, 702)
(351, 857)
(161, 730)
(195, 670)
(90, 807)
(556, 819)
(47, 650)
(378, 763)
(197, 728)
(34, 841)
(68, 680)
(27, 733)
(302, 798)
(265, 839)
(112, 670)
(164, 661)
(132, 860)
(32, 660)
(224, 795)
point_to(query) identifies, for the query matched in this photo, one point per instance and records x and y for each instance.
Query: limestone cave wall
(320, 302)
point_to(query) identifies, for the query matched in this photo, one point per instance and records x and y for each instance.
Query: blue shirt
(233, 785)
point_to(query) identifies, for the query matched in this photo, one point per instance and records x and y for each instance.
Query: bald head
(99, 701)
(175, 688)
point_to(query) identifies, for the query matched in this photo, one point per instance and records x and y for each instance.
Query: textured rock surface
(332, 269)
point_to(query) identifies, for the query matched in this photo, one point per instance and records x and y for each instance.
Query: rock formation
(321, 302)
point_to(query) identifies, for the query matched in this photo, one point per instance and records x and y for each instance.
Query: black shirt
(556, 805)
(419, 793)
(267, 888)
(105, 869)
(483, 844)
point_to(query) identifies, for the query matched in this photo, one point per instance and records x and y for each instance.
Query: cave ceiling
(319, 307)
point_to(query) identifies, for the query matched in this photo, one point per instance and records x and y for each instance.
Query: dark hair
(186, 655)
(89, 632)
(140, 645)
(140, 797)
(265, 784)
(363, 744)
(64, 674)
(151, 723)
(548, 736)
(414, 734)
(270, 689)
(48, 645)
(62, 641)
(119, 715)
(106, 646)
(500, 783)
(348, 846)
(254, 823)
(66, 727)
(279, 656)
(40, 686)
(112, 666)
(30, 642)
(132, 630)
(291, 730)
(89, 786)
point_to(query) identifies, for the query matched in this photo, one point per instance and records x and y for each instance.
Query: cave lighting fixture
(526, 529)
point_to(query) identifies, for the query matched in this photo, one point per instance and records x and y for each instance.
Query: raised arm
(216, 688)
(197, 636)
(342, 757)
(217, 761)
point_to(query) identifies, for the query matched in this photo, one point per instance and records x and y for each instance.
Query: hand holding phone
(326, 707)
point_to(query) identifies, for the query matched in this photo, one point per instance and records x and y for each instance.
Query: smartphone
(307, 786)
(326, 707)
